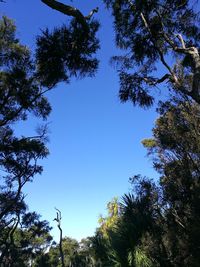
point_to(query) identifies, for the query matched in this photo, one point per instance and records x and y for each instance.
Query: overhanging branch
(70, 11)
(162, 59)
(154, 81)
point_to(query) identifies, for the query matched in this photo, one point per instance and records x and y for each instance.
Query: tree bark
(58, 219)
(71, 11)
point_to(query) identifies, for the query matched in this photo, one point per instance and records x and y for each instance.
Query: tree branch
(177, 219)
(58, 220)
(179, 36)
(173, 76)
(70, 11)
(191, 51)
(153, 81)
(95, 10)
(14, 115)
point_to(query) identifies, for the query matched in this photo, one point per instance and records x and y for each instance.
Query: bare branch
(42, 132)
(70, 11)
(153, 81)
(95, 10)
(65, 9)
(177, 219)
(58, 219)
(179, 36)
(131, 4)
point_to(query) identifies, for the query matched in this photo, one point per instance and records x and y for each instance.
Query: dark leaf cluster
(65, 52)
(149, 32)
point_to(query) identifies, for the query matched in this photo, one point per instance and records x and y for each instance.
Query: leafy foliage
(158, 224)
(24, 80)
(155, 224)
(26, 243)
(177, 159)
(65, 52)
(20, 95)
(149, 32)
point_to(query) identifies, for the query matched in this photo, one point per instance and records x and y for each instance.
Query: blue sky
(95, 141)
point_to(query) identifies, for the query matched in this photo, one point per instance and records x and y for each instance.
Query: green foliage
(70, 247)
(65, 52)
(132, 88)
(177, 151)
(26, 243)
(20, 95)
(154, 224)
(148, 32)
(116, 244)
(149, 143)
(108, 223)
(79, 254)
(158, 225)
(140, 258)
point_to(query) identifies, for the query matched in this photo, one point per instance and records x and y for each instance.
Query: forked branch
(58, 220)
(181, 48)
(70, 11)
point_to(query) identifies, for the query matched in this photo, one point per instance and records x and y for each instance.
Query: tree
(175, 150)
(25, 243)
(159, 224)
(20, 94)
(109, 222)
(70, 250)
(58, 220)
(66, 52)
(155, 225)
(149, 32)
(166, 216)
(24, 82)
(71, 11)
(86, 253)
(118, 242)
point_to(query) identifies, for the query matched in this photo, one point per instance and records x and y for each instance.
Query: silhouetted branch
(192, 52)
(154, 81)
(58, 220)
(162, 59)
(70, 11)
(95, 10)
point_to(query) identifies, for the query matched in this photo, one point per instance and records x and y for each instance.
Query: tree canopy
(25, 78)
(157, 222)
(149, 32)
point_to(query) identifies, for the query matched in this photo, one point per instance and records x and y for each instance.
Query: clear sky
(95, 141)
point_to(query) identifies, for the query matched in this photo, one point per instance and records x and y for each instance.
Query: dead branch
(58, 220)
